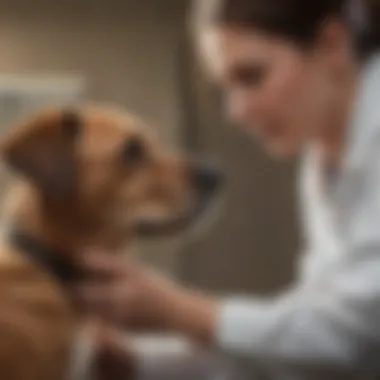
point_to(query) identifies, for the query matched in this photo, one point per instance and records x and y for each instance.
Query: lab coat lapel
(362, 129)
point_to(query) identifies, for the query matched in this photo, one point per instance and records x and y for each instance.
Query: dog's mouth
(206, 182)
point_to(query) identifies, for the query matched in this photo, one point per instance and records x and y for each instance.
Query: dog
(87, 176)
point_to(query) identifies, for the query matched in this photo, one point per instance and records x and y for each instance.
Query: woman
(299, 76)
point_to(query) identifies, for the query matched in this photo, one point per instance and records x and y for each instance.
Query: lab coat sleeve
(335, 325)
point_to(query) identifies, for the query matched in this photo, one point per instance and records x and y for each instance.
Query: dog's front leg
(101, 353)
(112, 359)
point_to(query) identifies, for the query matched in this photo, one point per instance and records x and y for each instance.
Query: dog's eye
(133, 151)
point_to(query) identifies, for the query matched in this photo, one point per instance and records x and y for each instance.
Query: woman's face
(279, 93)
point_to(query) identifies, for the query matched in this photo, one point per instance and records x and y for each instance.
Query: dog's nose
(207, 178)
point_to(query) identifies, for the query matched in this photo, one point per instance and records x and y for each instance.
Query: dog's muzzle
(205, 181)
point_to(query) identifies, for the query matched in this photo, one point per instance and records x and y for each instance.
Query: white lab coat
(328, 322)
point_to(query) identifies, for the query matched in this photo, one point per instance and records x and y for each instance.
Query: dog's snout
(206, 178)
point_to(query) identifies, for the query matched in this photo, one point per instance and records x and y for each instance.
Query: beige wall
(126, 50)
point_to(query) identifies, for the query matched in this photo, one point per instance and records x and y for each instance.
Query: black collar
(50, 259)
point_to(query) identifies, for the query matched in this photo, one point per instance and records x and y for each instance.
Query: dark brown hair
(300, 20)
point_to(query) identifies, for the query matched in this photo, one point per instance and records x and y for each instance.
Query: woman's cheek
(288, 112)
(281, 103)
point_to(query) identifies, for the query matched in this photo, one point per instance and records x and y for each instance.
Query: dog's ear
(43, 151)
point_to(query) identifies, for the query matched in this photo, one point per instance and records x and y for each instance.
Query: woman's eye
(133, 151)
(249, 76)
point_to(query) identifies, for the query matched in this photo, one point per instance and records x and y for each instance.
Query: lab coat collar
(365, 120)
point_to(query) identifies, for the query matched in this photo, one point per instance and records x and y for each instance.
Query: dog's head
(102, 173)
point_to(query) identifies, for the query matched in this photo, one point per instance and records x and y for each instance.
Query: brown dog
(87, 177)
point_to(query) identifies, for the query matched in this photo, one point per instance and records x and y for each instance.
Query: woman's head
(287, 66)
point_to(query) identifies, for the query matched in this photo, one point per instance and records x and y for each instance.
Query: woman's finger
(109, 301)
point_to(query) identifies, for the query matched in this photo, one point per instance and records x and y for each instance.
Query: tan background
(134, 53)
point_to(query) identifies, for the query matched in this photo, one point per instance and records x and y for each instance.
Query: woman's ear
(333, 43)
(42, 150)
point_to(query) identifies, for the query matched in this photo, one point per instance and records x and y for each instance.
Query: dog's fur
(90, 177)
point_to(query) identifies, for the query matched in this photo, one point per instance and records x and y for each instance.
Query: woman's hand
(136, 297)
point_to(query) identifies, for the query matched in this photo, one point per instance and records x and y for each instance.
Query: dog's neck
(54, 228)
(59, 265)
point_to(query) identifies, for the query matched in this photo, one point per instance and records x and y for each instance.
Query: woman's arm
(333, 327)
